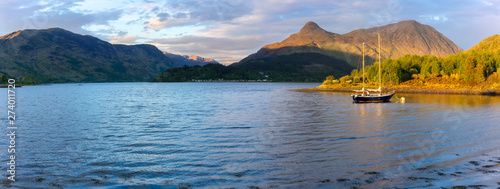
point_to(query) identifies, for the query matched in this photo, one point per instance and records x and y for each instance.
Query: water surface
(222, 135)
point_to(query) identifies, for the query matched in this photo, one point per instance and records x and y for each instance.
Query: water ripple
(225, 135)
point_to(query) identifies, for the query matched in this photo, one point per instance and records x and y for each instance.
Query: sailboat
(372, 95)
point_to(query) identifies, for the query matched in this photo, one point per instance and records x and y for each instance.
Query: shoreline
(414, 90)
(7, 85)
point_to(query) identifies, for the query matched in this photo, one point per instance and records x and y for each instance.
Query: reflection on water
(168, 135)
(470, 100)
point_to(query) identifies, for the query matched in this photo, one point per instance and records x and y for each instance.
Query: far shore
(409, 89)
(7, 85)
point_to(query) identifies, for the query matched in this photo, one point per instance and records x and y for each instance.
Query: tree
(354, 72)
(425, 71)
(469, 70)
(480, 72)
(345, 79)
(329, 80)
(27, 80)
(416, 60)
(435, 68)
(497, 61)
(448, 66)
(4, 79)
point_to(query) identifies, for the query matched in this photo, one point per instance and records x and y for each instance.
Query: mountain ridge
(189, 60)
(58, 55)
(477, 67)
(398, 39)
(492, 42)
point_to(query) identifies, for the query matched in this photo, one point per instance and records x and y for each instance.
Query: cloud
(221, 10)
(163, 16)
(229, 30)
(182, 13)
(24, 14)
(219, 48)
(104, 17)
(230, 24)
(162, 22)
(225, 44)
(128, 39)
(122, 33)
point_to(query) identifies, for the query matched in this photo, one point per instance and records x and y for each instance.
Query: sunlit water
(223, 135)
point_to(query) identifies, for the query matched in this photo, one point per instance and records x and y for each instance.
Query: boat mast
(379, 67)
(363, 66)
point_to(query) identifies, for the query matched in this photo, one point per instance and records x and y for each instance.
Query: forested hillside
(476, 67)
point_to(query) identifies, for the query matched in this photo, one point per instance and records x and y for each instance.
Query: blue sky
(229, 30)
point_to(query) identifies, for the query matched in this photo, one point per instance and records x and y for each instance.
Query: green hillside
(57, 55)
(476, 68)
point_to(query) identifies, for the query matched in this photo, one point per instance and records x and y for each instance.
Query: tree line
(232, 73)
(27, 80)
(469, 68)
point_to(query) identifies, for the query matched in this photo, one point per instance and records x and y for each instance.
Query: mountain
(477, 67)
(397, 40)
(491, 43)
(189, 60)
(58, 55)
(474, 70)
(485, 56)
(310, 65)
(286, 68)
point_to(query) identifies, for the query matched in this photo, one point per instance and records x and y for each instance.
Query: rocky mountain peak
(310, 28)
(398, 39)
(408, 22)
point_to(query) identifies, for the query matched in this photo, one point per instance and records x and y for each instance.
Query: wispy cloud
(129, 39)
(225, 50)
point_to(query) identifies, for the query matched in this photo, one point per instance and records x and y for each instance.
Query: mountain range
(58, 55)
(189, 60)
(398, 39)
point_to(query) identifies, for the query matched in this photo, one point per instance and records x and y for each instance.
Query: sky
(229, 30)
